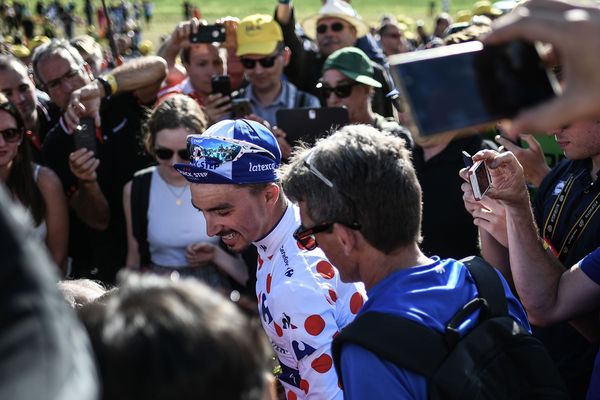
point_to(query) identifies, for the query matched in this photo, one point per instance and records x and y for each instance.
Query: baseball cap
(232, 152)
(258, 34)
(335, 9)
(353, 63)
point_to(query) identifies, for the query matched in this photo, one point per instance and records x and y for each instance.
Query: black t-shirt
(99, 254)
(447, 228)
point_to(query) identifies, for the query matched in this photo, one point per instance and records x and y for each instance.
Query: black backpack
(497, 359)
(140, 199)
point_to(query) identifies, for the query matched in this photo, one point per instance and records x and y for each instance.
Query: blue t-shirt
(429, 295)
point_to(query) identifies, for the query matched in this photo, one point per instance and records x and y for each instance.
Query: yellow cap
(37, 41)
(20, 51)
(145, 47)
(463, 16)
(258, 34)
(484, 7)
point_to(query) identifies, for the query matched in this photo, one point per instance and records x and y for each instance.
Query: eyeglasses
(11, 135)
(266, 62)
(167, 154)
(67, 76)
(335, 27)
(341, 91)
(218, 150)
(306, 236)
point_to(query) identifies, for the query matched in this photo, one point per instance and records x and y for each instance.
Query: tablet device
(308, 124)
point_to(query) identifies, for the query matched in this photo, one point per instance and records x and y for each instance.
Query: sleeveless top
(172, 227)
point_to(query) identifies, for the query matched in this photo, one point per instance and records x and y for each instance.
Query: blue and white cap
(232, 152)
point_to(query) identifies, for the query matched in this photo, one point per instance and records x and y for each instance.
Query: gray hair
(373, 183)
(52, 48)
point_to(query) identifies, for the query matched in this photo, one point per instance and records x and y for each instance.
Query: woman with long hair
(37, 188)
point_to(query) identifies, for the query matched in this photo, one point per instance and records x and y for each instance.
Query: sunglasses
(306, 236)
(266, 62)
(335, 27)
(11, 135)
(341, 91)
(167, 154)
(219, 150)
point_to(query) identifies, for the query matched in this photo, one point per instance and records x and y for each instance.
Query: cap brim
(309, 24)
(261, 48)
(199, 175)
(366, 80)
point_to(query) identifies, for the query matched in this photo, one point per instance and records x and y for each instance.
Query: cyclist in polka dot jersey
(302, 302)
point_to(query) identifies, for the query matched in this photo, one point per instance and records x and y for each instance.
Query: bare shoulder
(48, 181)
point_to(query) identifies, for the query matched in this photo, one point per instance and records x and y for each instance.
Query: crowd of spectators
(177, 216)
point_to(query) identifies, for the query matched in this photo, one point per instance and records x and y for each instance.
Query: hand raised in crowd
(508, 179)
(217, 107)
(84, 102)
(487, 213)
(231, 26)
(286, 148)
(573, 29)
(180, 38)
(83, 165)
(202, 253)
(532, 158)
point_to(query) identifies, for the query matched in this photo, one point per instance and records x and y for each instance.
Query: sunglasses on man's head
(335, 27)
(341, 91)
(167, 154)
(11, 134)
(266, 62)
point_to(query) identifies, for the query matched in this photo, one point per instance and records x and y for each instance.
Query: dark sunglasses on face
(11, 134)
(306, 236)
(335, 27)
(341, 91)
(167, 154)
(266, 62)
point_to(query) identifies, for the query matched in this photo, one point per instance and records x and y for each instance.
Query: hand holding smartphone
(85, 135)
(208, 34)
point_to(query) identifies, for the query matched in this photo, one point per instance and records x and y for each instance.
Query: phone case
(308, 124)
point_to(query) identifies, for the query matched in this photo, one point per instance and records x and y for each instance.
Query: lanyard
(579, 225)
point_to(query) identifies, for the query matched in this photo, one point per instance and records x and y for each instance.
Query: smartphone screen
(479, 177)
(453, 88)
(85, 135)
(208, 34)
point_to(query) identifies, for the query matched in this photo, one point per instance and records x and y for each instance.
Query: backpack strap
(404, 342)
(301, 99)
(488, 285)
(140, 199)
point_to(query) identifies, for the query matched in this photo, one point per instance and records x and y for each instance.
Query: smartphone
(468, 86)
(240, 108)
(221, 84)
(308, 124)
(480, 179)
(208, 34)
(85, 135)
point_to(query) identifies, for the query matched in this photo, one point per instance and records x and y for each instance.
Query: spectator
(371, 232)
(37, 188)
(348, 82)
(264, 56)
(92, 181)
(338, 26)
(201, 62)
(79, 292)
(37, 112)
(175, 239)
(550, 293)
(91, 52)
(564, 205)
(157, 338)
(392, 40)
(442, 22)
(45, 353)
(302, 302)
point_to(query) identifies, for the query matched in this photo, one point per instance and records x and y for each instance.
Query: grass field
(167, 13)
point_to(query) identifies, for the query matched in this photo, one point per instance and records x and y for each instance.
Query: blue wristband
(285, 1)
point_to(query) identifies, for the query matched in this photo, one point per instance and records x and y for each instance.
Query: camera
(221, 84)
(208, 34)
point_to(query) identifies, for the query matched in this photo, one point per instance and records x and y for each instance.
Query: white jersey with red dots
(303, 304)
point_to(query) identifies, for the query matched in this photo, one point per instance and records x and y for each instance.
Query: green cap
(353, 63)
